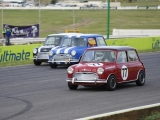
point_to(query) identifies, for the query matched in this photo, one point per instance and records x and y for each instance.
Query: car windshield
(66, 42)
(53, 40)
(71, 42)
(99, 56)
(78, 42)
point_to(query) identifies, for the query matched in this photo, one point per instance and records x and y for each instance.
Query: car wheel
(53, 65)
(141, 79)
(111, 83)
(37, 63)
(72, 87)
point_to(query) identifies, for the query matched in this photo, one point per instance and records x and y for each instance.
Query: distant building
(8, 1)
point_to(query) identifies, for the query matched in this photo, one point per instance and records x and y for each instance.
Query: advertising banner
(17, 53)
(23, 31)
(148, 43)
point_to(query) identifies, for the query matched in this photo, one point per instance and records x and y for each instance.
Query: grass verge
(153, 116)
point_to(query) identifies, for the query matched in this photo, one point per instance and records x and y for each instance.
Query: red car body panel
(124, 72)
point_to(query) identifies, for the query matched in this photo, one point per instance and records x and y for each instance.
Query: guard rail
(33, 40)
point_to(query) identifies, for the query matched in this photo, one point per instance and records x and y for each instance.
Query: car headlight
(100, 71)
(70, 70)
(73, 53)
(35, 51)
(50, 53)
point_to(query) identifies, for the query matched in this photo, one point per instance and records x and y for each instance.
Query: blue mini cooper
(52, 41)
(70, 52)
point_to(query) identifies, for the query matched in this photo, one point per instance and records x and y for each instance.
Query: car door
(134, 64)
(123, 68)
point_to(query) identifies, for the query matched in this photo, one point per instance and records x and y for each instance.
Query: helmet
(99, 55)
(57, 42)
(91, 42)
(6, 26)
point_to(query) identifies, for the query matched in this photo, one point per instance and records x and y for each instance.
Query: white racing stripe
(54, 48)
(58, 50)
(47, 47)
(120, 111)
(40, 48)
(67, 49)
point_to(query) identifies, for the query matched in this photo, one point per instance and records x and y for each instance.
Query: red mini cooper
(107, 66)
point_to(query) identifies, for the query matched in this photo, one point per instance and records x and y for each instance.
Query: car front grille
(85, 76)
(62, 57)
(42, 55)
(45, 49)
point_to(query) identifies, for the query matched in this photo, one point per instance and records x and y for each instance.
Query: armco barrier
(32, 40)
(113, 5)
(127, 8)
(147, 43)
(127, 114)
(16, 53)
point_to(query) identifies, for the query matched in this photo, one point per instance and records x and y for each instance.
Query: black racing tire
(141, 79)
(111, 83)
(37, 63)
(53, 65)
(72, 87)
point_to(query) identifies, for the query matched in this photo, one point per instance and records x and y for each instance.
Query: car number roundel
(95, 64)
(124, 72)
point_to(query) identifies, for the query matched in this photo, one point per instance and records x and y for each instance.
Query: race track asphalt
(40, 93)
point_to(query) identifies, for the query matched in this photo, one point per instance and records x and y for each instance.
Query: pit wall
(17, 53)
(147, 43)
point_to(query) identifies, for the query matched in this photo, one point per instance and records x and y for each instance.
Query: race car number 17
(124, 72)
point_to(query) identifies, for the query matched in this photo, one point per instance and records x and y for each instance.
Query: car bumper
(41, 56)
(74, 80)
(67, 61)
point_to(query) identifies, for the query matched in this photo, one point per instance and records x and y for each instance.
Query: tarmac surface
(40, 93)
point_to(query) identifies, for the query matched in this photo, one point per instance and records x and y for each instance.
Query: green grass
(53, 21)
(153, 116)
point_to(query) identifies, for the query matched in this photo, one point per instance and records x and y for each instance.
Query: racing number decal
(124, 72)
(95, 64)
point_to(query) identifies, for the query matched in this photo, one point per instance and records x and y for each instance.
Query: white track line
(120, 111)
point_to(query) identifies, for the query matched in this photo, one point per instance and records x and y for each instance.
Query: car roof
(88, 35)
(111, 48)
(65, 34)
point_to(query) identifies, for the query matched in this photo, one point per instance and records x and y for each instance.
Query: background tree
(45, 2)
(54, 1)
